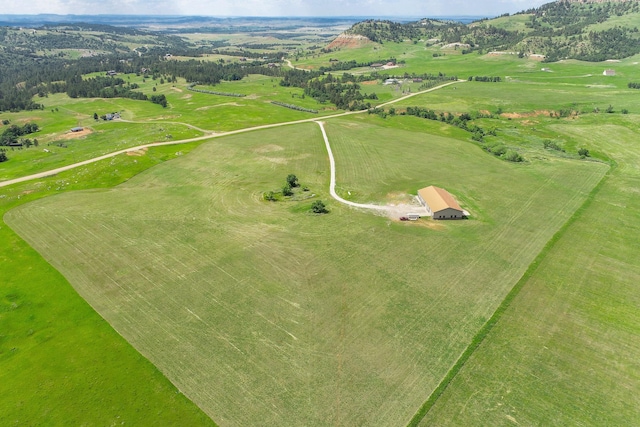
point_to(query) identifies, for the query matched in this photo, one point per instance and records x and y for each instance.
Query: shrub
(292, 180)
(319, 207)
(552, 145)
(513, 156)
(583, 152)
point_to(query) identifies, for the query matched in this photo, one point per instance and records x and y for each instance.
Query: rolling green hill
(591, 31)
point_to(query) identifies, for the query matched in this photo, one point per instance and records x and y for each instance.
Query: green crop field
(60, 362)
(566, 351)
(262, 313)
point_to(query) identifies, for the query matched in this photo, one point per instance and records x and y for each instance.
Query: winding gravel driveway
(332, 185)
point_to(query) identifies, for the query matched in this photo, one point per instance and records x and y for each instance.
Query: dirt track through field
(199, 138)
(332, 185)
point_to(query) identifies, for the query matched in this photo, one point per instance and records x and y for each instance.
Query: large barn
(439, 203)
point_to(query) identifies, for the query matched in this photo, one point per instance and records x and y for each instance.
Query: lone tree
(3, 157)
(286, 190)
(319, 207)
(95, 116)
(292, 180)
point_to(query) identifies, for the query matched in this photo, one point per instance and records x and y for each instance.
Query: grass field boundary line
(199, 138)
(484, 331)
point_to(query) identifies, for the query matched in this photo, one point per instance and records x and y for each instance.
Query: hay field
(566, 351)
(61, 363)
(263, 314)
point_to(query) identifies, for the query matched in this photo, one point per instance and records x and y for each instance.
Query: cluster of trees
(633, 85)
(342, 91)
(292, 182)
(294, 107)
(464, 121)
(260, 56)
(99, 87)
(490, 79)
(382, 31)
(267, 46)
(160, 100)
(348, 65)
(13, 133)
(191, 87)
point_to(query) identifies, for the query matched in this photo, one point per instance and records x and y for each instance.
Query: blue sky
(418, 8)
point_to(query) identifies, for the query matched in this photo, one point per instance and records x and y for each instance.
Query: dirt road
(211, 136)
(332, 184)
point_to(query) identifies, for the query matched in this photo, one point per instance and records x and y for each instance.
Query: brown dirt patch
(536, 113)
(177, 89)
(369, 82)
(485, 112)
(348, 41)
(137, 153)
(187, 96)
(74, 135)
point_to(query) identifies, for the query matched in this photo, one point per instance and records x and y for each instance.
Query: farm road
(204, 137)
(332, 185)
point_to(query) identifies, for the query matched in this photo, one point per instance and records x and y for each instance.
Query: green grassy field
(565, 352)
(60, 362)
(264, 314)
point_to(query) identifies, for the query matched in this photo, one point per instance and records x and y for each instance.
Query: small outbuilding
(77, 129)
(439, 203)
(609, 73)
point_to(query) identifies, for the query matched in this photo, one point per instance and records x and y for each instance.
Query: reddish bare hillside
(348, 41)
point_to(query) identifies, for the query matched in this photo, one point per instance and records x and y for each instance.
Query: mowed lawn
(566, 350)
(264, 314)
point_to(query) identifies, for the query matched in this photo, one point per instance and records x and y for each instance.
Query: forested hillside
(53, 59)
(585, 30)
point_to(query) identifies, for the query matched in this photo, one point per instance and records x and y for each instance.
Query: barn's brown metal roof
(438, 199)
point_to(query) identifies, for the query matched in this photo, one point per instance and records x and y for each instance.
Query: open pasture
(528, 97)
(58, 146)
(61, 363)
(262, 313)
(565, 352)
(223, 113)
